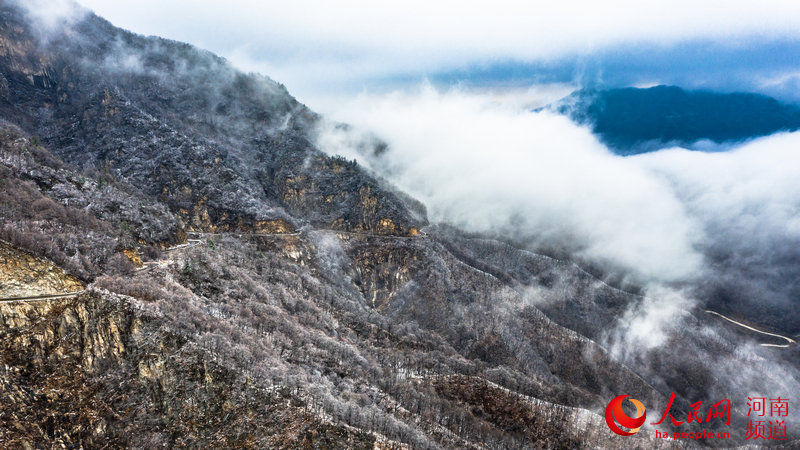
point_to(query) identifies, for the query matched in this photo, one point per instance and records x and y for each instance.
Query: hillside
(315, 307)
(318, 336)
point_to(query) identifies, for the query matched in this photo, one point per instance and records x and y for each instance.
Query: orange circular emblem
(615, 415)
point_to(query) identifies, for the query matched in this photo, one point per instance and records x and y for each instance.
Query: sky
(319, 47)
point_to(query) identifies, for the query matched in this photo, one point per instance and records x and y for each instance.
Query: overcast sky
(321, 46)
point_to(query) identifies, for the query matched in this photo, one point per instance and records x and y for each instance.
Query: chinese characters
(767, 428)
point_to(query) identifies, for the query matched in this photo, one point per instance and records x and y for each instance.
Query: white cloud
(493, 165)
(50, 15)
(311, 44)
(665, 217)
(486, 165)
(649, 324)
(748, 198)
(509, 28)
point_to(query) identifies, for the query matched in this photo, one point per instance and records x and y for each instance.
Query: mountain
(178, 123)
(230, 285)
(632, 120)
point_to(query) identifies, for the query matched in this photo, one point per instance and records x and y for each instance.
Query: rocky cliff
(24, 275)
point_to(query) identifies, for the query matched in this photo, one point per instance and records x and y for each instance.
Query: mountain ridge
(638, 120)
(200, 107)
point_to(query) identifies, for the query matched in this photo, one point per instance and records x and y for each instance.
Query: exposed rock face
(22, 275)
(381, 269)
(94, 371)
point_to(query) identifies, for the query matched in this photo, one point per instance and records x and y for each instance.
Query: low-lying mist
(717, 223)
(487, 166)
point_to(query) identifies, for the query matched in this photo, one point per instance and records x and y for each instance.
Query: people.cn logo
(615, 415)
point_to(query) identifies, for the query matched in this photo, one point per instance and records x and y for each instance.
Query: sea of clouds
(497, 166)
(674, 221)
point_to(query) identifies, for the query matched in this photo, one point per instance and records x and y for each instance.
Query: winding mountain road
(40, 297)
(150, 264)
(789, 340)
(195, 242)
(421, 233)
(189, 244)
(146, 266)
